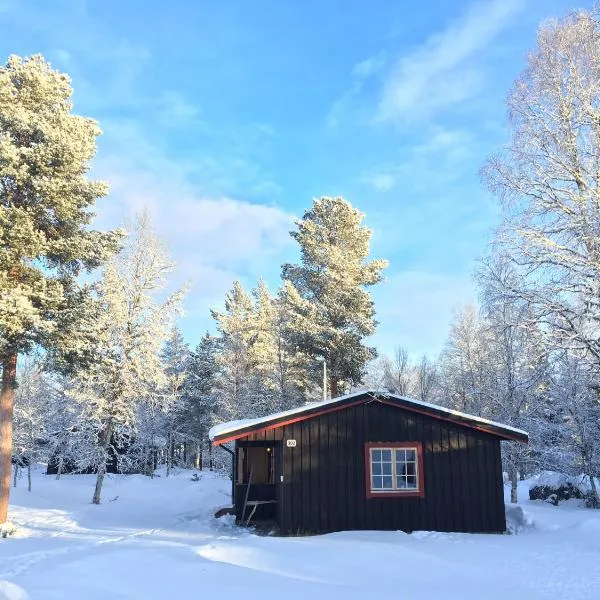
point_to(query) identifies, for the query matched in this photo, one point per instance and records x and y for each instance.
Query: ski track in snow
(154, 537)
(24, 562)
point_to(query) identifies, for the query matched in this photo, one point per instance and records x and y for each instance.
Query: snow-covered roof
(241, 427)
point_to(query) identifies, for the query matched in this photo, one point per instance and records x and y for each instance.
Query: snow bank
(517, 520)
(155, 538)
(554, 479)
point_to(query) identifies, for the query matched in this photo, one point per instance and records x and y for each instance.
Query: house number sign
(291, 443)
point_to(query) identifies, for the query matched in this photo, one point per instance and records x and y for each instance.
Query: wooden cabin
(368, 460)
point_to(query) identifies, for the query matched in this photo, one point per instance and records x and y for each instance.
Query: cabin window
(394, 469)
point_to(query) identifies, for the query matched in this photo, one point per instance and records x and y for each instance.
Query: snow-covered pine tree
(132, 326)
(202, 401)
(64, 421)
(294, 366)
(264, 390)
(45, 212)
(333, 309)
(174, 357)
(236, 336)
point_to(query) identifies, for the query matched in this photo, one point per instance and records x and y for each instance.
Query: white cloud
(383, 182)
(64, 56)
(370, 66)
(346, 104)
(176, 110)
(415, 308)
(444, 70)
(442, 157)
(214, 240)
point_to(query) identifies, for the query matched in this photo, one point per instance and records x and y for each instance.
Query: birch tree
(518, 372)
(547, 179)
(45, 212)
(397, 373)
(465, 363)
(575, 447)
(132, 325)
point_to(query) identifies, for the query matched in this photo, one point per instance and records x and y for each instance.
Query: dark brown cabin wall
(324, 487)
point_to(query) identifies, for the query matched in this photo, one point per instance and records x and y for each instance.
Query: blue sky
(227, 117)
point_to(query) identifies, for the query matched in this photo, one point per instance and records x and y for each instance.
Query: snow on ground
(157, 538)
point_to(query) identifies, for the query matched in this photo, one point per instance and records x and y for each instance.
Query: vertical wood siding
(324, 475)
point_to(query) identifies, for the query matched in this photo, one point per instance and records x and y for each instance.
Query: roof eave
(496, 430)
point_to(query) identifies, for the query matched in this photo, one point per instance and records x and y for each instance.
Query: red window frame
(419, 492)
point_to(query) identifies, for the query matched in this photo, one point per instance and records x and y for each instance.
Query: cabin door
(258, 481)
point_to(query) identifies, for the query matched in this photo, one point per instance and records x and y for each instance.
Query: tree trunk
(106, 435)
(514, 481)
(60, 467)
(595, 498)
(169, 454)
(334, 389)
(15, 475)
(28, 476)
(199, 456)
(7, 398)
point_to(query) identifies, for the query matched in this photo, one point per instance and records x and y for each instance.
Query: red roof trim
(397, 403)
(455, 421)
(296, 419)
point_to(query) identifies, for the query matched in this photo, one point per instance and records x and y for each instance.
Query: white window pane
(386, 455)
(386, 468)
(387, 482)
(410, 469)
(376, 468)
(410, 455)
(411, 482)
(376, 454)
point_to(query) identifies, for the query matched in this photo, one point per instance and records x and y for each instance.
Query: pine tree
(131, 329)
(333, 310)
(236, 336)
(45, 240)
(175, 359)
(293, 366)
(202, 403)
(264, 392)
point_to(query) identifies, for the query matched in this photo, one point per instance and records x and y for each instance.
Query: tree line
(95, 373)
(529, 354)
(108, 379)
